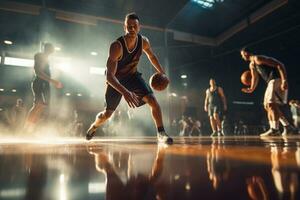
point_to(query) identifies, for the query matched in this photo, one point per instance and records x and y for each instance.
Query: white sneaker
(164, 138)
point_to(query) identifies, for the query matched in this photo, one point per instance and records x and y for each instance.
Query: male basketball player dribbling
(274, 73)
(123, 79)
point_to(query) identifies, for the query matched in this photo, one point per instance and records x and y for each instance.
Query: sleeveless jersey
(267, 73)
(214, 98)
(46, 70)
(127, 65)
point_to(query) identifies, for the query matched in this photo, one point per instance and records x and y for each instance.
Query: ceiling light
(8, 42)
(93, 53)
(183, 76)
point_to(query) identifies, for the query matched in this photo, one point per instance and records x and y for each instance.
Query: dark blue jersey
(127, 64)
(267, 73)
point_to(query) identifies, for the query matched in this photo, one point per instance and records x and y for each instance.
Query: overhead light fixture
(68, 94)
(14, 90)
(8, 42)
(207, 3)
(1, 90)
(183, 76)
(94, 53)
(62, 63)
(173, 94)
(97, 70)
(18, 62)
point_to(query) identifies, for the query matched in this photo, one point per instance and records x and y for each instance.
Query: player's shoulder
(38, 55)
(261, 57)
(116, 45)
(145, 39)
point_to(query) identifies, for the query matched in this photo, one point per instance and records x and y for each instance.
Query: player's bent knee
(105, 114)
(216, 116)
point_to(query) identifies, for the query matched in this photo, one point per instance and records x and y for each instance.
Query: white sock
(284, 121)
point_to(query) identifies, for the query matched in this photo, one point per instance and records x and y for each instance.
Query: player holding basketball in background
(273, 72)
(41, 86)
(215, 103)
(123, 79)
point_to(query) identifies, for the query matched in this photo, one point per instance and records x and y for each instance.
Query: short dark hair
(246, 49)
(47, 45)
(132, 16)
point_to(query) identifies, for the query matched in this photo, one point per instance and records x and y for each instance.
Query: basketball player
(123, 78)
(215, 103)
(41, 85)
(273, 72)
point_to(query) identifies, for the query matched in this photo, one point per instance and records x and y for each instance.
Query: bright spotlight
(57, 48)
(8, 42)
(187, 186)
(68, 94)
(79, 95)
(96, 187)
(14, 90)
(1, 90)
(64, 64)
(183, 76)
(18, 62)
(94, 53)
(173, 94)
(97, 70)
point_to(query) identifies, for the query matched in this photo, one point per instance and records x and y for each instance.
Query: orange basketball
(246, 78)
(159, 81)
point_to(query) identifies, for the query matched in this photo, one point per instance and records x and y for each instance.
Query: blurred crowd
(13, 117)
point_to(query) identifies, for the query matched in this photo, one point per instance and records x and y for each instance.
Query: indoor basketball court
(149, 100)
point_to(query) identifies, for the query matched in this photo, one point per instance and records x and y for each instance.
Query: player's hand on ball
(247, 90)
(131, 98)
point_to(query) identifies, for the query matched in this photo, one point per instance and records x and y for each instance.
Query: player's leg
(38, 107)
(157, 118)
(218, 123)
(112, 98)
(212, 121)
(272, 110)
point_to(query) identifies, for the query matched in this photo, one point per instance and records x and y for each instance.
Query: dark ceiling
(183, 15)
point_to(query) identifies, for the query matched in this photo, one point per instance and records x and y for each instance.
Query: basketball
(246, 78)
(159, 81)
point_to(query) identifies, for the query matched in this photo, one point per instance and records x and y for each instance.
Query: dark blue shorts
(214, 109)
(135, 83)
(41, 91)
